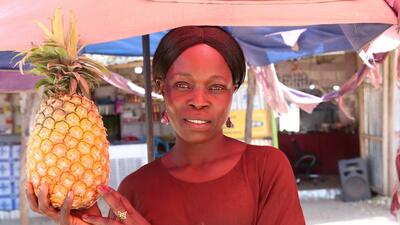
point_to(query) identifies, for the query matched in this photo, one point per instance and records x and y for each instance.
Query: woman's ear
(235, 87)
(161, 86)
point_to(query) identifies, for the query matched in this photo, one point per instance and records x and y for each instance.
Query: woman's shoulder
(265, 152)
(141, 174)
(257, 151)
(267, 158)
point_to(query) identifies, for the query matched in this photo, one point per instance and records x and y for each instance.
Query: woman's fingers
(66, 209)
(93, 210)
(32, 199)
(121, 207)
(43, 201)
(63, 216)
(97, 220)
(40, 204)
(113, 199)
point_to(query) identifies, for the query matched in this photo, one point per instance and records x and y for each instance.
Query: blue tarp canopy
(265, 45)
(261, 45)
(7, 60)
(125, 47)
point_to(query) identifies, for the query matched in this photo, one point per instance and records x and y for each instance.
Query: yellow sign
(261, 124)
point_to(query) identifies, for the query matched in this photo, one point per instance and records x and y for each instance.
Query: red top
(259, 190)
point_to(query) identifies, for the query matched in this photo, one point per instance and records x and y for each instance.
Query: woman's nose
(199, 99)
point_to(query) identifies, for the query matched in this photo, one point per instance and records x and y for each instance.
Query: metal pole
(148, 99)
(275, 141)
(251, 92)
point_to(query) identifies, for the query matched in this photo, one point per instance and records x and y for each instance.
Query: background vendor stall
(374, 23)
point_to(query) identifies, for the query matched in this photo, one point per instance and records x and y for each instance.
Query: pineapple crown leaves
(57, 58)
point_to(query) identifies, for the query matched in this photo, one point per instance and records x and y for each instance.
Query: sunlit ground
(366, 221)
(336, 212)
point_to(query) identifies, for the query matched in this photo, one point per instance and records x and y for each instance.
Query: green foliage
(57, 58)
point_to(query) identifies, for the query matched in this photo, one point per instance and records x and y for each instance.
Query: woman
(207, 178)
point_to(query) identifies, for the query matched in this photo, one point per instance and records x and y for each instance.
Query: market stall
(247, 13)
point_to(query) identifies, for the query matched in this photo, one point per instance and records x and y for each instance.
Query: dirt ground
(322, 205)
(337, 212)
(316, 212)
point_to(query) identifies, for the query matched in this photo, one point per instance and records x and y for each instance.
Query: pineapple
(68, 147)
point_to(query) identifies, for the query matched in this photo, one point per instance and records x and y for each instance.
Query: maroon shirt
(259, 190)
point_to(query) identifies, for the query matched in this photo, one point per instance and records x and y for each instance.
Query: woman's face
(198, 91)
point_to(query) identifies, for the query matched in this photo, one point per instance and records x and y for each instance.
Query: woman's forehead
(200, 49)
(200, 60)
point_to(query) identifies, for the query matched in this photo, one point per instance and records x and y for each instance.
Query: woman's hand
(121, 211)
(63, 216)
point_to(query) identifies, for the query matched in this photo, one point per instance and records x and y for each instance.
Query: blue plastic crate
(16, 203)
(15, 185)
(5, 152)
(15, 152)
(15, 169)
(9, 176)
(6, 188)
(6, 204)
(5, 170)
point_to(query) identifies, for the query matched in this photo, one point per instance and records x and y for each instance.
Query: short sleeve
(278, 201)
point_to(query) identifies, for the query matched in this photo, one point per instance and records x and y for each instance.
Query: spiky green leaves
(71, 40)
(79, 77)
(57, 58)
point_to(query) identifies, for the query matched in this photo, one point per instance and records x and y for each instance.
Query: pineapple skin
(68, 150)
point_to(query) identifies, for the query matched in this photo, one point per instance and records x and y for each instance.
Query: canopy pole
(274, 126)
(251, 91)
(148, 99)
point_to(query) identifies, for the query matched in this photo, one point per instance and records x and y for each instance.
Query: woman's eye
(182, 85)
(217, 88)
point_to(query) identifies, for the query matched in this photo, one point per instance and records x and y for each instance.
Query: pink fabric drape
(124, 84)
(277, 95)
(101, 20)
(395, 4)
(270, 84)
(15, 82)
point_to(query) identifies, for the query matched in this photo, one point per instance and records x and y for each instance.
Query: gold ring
(121, 215)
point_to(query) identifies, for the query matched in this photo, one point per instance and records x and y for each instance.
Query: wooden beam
(362, 121)
(393, 116)
(385, 127)
(371, 137)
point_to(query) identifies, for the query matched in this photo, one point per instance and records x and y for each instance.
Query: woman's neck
(198, 154)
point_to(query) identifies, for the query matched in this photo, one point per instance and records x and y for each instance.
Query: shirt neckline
(238, 163)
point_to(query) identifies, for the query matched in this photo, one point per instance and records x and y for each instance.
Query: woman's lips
(197, 123)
